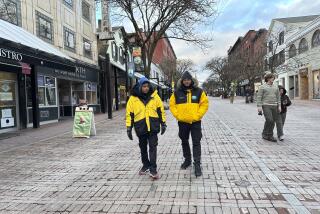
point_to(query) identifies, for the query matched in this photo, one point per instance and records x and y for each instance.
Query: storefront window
(77, 92)
(7, 100)
(91, 93)
(47, 91)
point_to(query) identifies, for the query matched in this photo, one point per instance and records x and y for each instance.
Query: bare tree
(224, 72)
(169, 67)
(154, 20)
(183, 65)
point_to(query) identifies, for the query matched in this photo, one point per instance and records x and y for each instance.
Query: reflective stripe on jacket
(143, 117)
(189, 106)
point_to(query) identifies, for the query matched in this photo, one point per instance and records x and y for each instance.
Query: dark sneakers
(186, 164)
(271, 139)
(154, 175)
(197, 170)
(144, 170)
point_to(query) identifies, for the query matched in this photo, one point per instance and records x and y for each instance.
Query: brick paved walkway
(242, 173)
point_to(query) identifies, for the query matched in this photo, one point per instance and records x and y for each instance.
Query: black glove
(129, 133)
(163, 128)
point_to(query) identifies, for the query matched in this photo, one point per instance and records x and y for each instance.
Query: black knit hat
(186, 75)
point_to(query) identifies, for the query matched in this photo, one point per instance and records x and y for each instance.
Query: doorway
(65, 104)
(304, 86)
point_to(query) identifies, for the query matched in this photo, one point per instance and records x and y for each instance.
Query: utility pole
(104, 36)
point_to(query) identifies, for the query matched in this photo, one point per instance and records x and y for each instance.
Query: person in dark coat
(145, 113)
(285, 102)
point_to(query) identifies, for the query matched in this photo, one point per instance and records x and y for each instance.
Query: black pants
(196, 135)
(151, 161)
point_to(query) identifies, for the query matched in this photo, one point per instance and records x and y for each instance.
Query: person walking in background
(269, 102)
(145, 112)
(188, 105)
(285, 102)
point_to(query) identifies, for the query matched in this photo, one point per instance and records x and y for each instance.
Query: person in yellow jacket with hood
(188, 104)
(145, 112)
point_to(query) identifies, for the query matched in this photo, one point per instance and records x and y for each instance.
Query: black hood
(284, 90)
(137, 93)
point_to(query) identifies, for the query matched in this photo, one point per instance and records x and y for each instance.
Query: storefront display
(39, 87)
(8, 102)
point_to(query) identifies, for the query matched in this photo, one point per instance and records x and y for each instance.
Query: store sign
(80, 73)
(10, 54)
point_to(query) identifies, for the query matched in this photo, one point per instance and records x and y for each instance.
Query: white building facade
(277, 59)
(303, 49)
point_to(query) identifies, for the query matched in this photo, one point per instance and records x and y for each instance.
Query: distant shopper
(269, 102)
(285, 102)
(146, 114)
(188, 104)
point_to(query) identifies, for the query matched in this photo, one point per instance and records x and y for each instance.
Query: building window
(10, 11)
(282, 57)
(87, 48)
(292, 51)
(316, 39)
(121, 55)
(44, 27)
(281, 38)
(68, 3)
(86, 11)
(69, 39)
(270, 46)
(265, 64)
(47, 91)
(303, 46)
(114, 50)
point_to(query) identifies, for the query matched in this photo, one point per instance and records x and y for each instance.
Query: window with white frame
(303, 46)
(292, 51)
(47, 91)
(68, 3)
(87, 48)
(86, 11)
(316, 39)
(69, 39)
(281, 38)
(44, 27)
(10, 11)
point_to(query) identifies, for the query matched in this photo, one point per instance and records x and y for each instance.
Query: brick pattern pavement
(241, 173)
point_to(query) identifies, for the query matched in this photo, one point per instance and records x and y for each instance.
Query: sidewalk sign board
(84, 125)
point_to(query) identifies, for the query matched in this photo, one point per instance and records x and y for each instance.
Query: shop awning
(21, 36)
(10, 65)
(138, 75)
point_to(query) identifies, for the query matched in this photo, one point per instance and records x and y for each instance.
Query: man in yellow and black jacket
(188, 104)
(145, 112)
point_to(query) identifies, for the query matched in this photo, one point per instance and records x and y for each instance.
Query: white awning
(19, 35)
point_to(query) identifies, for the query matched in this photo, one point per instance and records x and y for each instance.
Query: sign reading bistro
(10, 54)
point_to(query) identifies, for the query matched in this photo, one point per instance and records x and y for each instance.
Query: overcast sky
(235, 18)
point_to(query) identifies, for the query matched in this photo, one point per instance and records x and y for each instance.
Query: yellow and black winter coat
(189, 105)
(145, 115)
